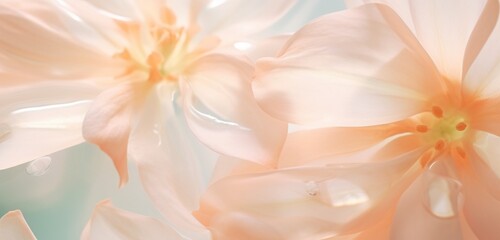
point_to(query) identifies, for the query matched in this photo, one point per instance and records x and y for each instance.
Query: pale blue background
(57, 204)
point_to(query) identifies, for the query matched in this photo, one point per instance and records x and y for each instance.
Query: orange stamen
(437, 112)
(439, 145)
(461, 126)
(426, 157)
(461, 152)
(421, 128)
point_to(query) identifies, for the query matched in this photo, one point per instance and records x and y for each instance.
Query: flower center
(160, 49)
(443, 128)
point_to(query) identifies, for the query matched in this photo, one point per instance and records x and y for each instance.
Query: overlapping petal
(13, 226)
(313, 202)
(62, 57)
(433, 23)
(110, 223)
(484, 155)
(355, 68)
(220, 109)
(226, 18)
(483, 77)
(332, 145)
(173, 165)
(429, 208)
(41, 119)
(481, 209)
(110, 119)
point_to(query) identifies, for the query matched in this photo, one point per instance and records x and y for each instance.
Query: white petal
(110, 223)
(40, 120)
(223, 114)
(483, 76)
(332, 72)
(174, 167)
(232, 19)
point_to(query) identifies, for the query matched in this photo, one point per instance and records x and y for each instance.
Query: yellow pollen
(442, 129)
(159, 49)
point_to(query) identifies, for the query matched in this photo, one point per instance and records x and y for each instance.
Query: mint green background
(58, 204)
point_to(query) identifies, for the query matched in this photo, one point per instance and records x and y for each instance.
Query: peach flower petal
(219, 18)
(318, 145)
(481, 209)
(110, 118)
(220, 108)
(483, 77)
(436, 29)
(42, 118)
(13, 226)
(434, 24)
(312, 202)
(61, 57)
(484, 155)
(486, 115)
(110, 223)
(173, 165)
(429, 208)
(333, 73)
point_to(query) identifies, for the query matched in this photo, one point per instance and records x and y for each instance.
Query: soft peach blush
(13, 226)
(391, 79)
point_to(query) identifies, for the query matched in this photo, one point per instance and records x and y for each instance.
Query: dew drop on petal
(215, 3)
(312, 188)
(243, 46)
(344, 193)
(156, 131)
(440, 202)
(39, 167)
(5, 130)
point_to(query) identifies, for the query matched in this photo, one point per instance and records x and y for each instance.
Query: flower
(133, 55)
(13, 226)
(412, 85)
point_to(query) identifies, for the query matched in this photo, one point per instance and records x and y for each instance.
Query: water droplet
(39, 167)
(4, 131)
(243, 46)
(156, 131)
(344, 193)
(312, 188)
(440, 202)
(215, 3)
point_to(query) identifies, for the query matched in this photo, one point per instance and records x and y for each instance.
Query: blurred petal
(483, 76)
(223, 114)
(308, 202)
(54, 54)
(436, 28)
(13, 226)
(429, 208)
(255, 49)
(484, 156)
(332, 72)
(401, 7)
(174, 166)
(110, 223)
(434, 24)
(306, 147)
(110, 118)
(42, 118)
(481, 209)
(235, 18)
(486, 115)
